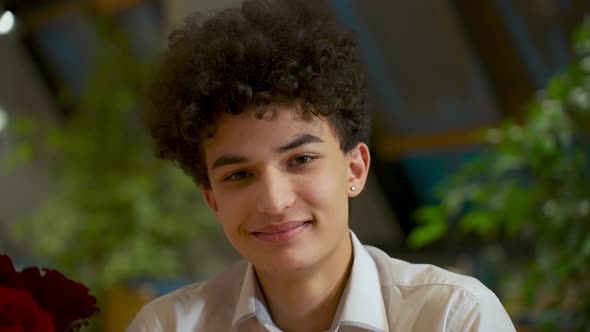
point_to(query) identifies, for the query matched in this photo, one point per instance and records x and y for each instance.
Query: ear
(210, 199)
(358, 168)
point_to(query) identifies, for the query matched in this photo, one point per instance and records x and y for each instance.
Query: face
(280, 188)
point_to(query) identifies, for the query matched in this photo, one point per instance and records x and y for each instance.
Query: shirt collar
(361, 304)
(250, 301)
(362, 301)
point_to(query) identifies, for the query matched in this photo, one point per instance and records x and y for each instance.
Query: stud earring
(353, 188)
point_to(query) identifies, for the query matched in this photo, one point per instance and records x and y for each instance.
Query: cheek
(230, 208)
(232, 222)
(327, 187)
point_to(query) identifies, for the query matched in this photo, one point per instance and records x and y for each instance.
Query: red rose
(6, 269)
(20, 313)
(68, 300)
(27, 279)
(48, 302)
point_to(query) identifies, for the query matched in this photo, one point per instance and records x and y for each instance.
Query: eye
(236, 176)
(302, 160)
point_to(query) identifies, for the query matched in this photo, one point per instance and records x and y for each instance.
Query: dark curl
(265, 52)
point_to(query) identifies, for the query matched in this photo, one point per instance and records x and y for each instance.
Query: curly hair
(267, 51)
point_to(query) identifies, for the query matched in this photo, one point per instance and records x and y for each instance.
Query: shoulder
(398, 273)
(448, 299)
(177, 310)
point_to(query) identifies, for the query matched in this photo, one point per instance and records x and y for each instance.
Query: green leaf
(19, 155)
(479, 221)
(426, 234)
(433, 220)
(432, 214)
(585, 247)
(557, 88)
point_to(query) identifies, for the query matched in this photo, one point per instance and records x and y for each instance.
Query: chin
(288, 261)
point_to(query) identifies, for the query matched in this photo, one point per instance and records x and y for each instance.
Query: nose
(275, 193)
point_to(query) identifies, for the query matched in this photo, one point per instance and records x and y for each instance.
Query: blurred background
(480, 149)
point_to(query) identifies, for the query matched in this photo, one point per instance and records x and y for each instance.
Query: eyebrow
(298, 141)
(293, 143)
(228, 160)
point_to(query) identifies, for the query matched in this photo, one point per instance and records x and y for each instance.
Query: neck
(308, 300)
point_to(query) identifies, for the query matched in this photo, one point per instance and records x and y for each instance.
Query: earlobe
(359, 163)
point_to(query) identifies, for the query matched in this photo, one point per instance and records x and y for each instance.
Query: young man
(264, 107)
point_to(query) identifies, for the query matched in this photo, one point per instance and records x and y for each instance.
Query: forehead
(252, 129)
(252, 123)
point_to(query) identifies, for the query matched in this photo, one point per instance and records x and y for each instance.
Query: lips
(280, 227)
(282, 231)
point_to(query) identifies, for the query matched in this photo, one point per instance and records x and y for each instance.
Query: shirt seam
(474, 296)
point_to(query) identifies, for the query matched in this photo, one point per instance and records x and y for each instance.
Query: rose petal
(6, 269)
(68, 300)
(28, 279)
(20, 312)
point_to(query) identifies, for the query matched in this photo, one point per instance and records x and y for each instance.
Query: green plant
(533, 186)
(114, 212)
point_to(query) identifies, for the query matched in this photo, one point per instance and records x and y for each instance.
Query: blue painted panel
(426, 170)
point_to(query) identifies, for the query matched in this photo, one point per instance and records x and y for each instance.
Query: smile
(281, 232)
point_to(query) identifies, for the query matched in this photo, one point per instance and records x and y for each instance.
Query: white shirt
(382, 294)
